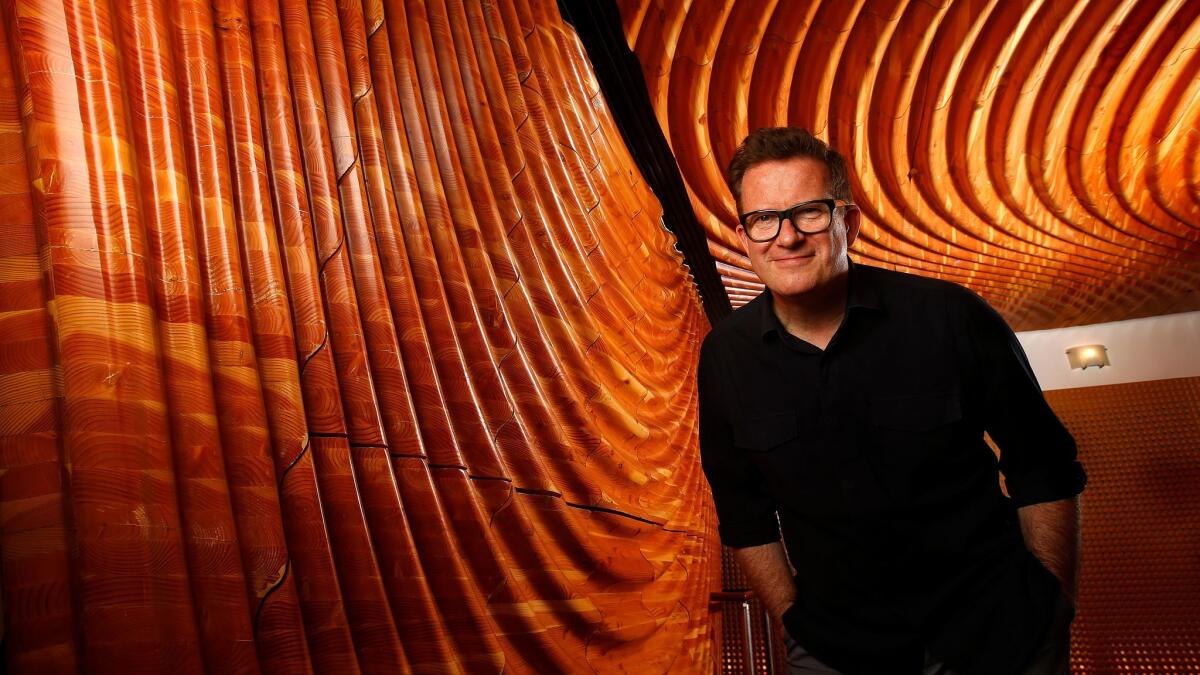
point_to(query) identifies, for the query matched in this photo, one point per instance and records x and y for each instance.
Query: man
(847, 406)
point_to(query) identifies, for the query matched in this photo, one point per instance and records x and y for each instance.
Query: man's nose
(788, 234)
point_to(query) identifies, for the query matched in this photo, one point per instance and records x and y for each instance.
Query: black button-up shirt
(872, 453)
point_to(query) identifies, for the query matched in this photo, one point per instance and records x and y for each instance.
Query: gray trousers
(1053, 655)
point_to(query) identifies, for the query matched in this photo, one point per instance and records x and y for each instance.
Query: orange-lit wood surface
(337, 337)
(1044, 153)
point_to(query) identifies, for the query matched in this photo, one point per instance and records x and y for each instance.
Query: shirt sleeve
(1037, 453)
(746, 513)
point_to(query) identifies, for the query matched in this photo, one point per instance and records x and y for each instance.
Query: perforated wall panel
(1139, 595)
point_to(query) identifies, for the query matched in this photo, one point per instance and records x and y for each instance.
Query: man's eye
(760, 219)
(809, 213)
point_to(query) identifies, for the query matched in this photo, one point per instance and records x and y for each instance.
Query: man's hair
(783, 143)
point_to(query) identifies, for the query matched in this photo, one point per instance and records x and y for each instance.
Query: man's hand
(770, 575)
(1051, 532)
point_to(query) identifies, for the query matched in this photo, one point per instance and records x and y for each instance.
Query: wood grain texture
(35, 561)
(242, 416)
(1032, 151)
(311, 558)
(337, 336)
(214, 560)
(129, 571)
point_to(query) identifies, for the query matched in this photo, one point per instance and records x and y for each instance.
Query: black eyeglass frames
(811, 217)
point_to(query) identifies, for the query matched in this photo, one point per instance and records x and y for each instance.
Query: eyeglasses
(811, 217)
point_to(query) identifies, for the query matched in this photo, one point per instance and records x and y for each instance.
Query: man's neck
(814, 316)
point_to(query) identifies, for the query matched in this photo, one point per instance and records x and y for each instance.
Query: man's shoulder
(887, 278)
(742, 324)
(906, 285)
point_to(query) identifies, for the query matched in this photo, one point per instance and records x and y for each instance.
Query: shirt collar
(862, 291)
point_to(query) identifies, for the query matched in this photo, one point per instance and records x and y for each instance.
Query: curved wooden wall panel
(1043, 153)
(337, 336)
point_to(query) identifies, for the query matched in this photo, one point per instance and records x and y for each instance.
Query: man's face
(793, 264)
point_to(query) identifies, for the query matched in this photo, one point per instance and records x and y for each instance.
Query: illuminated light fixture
(1088, 355)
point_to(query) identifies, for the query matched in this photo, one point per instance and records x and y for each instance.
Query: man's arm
(1037, 453)
(770, 576)
(745, 511)
(1051, 532)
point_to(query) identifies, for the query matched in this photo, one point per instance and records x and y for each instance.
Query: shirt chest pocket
(804, 472)
(913, 429)
(773, 444)
(766, 433)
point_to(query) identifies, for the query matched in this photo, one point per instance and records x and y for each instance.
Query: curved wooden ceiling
(1043, 153)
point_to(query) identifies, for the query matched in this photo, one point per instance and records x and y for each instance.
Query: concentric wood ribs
(336, 337)
(1043, 153)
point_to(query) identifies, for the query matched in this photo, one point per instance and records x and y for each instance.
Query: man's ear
(741, 233)
(853, 220)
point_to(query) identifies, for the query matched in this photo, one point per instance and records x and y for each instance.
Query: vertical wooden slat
(128, 560)
(35, 565)
(395, 208)
(214, 561)
(245, 434)
(326, 626)
(347, 339)
(450, 318)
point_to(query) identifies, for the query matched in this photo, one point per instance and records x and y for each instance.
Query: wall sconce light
(1088, 355)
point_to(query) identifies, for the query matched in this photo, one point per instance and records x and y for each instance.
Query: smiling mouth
(794, 257)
